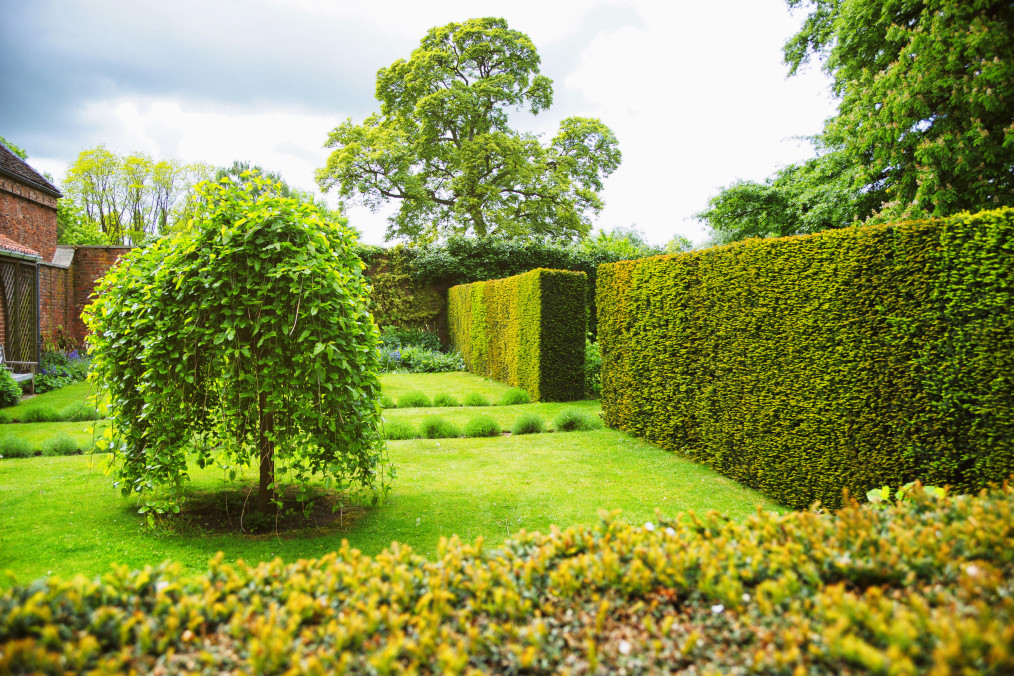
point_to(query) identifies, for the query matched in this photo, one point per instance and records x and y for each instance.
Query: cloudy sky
(696, 92)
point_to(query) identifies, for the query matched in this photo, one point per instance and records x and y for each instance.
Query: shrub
(572, 420)
(79, 412)
(10, 390)
(435, 427)
(422, 360)
(390, 360)
(515, 395)
(527, 331)
(40, 413)
(5, 417)
(592, 369)
(61, 444)
(15, 447)
(528, 423)
(476, 399)
(444, 399)
(398, 429)
(802, 366)
(854, 592)
(414, 399)
(482, 426)
(394, 337)
(60, 367)
(387, 402)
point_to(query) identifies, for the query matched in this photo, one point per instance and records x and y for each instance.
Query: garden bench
(19, 377)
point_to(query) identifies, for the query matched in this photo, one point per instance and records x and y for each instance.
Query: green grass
(58, 399)
(60, 515)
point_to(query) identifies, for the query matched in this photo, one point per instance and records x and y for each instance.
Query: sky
(696, 92)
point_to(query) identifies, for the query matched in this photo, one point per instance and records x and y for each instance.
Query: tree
(243, 337)
(132, 197)
(443, 148)
(925, 121)
(244, 173)
(14, 148)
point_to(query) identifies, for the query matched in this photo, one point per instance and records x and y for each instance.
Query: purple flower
(73, 354)
(396, 355)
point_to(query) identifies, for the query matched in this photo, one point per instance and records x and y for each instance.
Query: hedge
(803, 366)
(918, 588)
(527, 331)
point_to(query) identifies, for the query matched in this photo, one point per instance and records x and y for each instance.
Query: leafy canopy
(925, 121)
(442, 145)
(241, 338)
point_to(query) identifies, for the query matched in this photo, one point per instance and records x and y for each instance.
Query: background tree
(130, 198)
(14, 148)
(925, 121)
(442, 144)
(242, 337)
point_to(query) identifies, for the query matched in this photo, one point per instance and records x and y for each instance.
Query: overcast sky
(696, 92)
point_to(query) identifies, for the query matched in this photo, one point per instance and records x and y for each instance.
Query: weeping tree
(243, 338)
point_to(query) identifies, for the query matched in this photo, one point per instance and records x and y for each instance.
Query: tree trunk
(267, 455)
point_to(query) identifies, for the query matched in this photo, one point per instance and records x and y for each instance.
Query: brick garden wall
(28, 216)
(56, 302)
(90, 264)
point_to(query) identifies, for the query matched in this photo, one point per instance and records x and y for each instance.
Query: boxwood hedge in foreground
(924, 587)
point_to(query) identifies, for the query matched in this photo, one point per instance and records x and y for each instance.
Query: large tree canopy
(242, 337)
(442, 144)
(925, 121)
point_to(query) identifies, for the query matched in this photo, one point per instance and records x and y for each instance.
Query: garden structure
(45, 286)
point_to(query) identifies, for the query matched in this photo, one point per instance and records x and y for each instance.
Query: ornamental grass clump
(435, 427)
(515, 395)
(920, 587)
(443, 400)
(476, 399)
(572, 420)
(398, 430)
(78, 412)
(387, 402)
(15, 447)
(61, 444)
(247, 327)
(10, 390)
(40, 413)
(414, 399)
(528, 423)
(482, 426)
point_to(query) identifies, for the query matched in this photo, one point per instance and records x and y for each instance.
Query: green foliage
(387, 402)
(882, 496)
(592, 368)
(572, 420)
(242, 338)
(414, 399)
(73, 227)
(525, 331)
(926, 91)
(14, 148)
(15, 447)
(398, 429)
(40, 413)
(79, 412)
(443, 147)
(921, 587)
(395, 337)
(807, 365)
(435, 427)
(528, 423)
(444, 399)
(58, 368)
(5, 418)
(400, 303)
(515, 395)
(482, 426)
(61, 444)
(423, 360)
(476, 399)
(10, 390)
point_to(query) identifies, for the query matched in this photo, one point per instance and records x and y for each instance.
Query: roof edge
(49, 190)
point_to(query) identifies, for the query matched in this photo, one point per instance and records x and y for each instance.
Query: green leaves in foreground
(924, 587)
(242, 338)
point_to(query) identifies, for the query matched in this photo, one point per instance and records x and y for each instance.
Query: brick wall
(90, 264)
(56, 302)
(28, 216)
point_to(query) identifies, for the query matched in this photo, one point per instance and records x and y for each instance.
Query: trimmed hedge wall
(806, 365)
(527, 330)
(921, 588)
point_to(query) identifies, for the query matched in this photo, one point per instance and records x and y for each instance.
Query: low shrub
(919, 587)
(528, 423)
(58, 368)
(15, 447)
(40, 413)
(476, 399)
(422, 360)
(10, 391)
(395, 338)
(387, 402)
(61, 444)
(435, 427)
(398, 429)
(414, 399)
(444, 399)
(79, 412)
(5, 417)
(515, 395)
(572, 420)
(482, 426)
(592, 368)
(390, 360)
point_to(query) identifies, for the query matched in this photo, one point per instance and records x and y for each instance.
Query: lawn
(60, 515)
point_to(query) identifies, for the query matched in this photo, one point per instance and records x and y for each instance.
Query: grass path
(60, 515)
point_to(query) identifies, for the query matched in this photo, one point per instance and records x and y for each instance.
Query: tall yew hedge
(527, 330)
(806, 365)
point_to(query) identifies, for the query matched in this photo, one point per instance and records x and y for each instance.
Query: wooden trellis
(19, 285)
